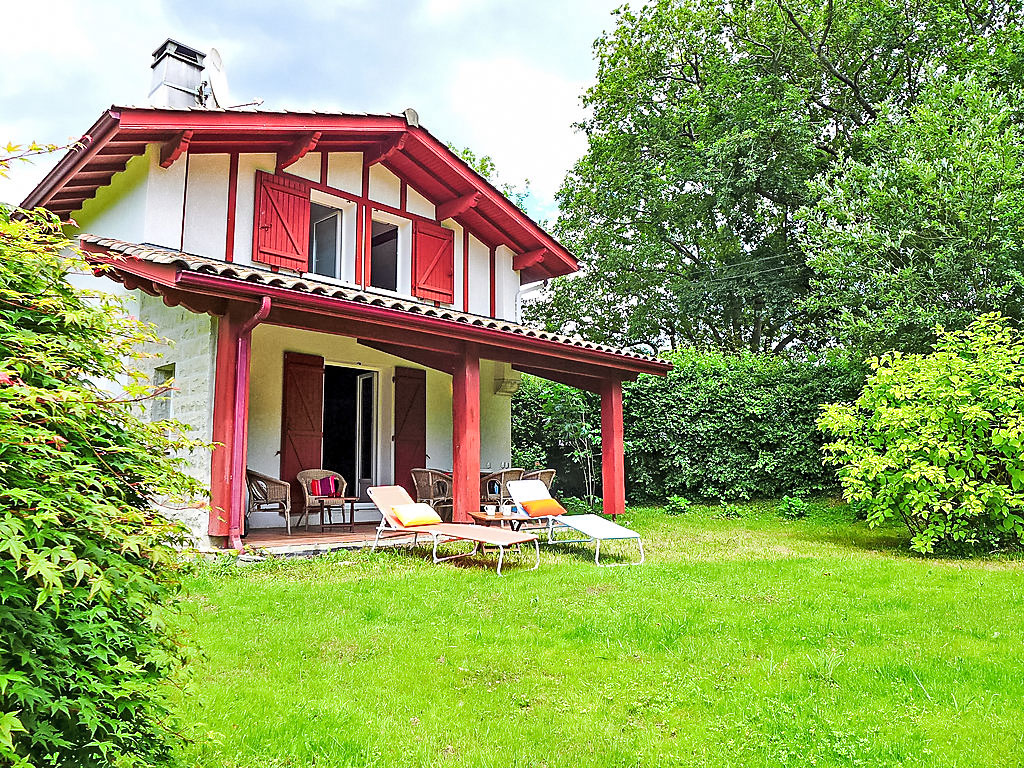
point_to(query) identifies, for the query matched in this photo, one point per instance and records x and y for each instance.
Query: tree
(937, 440)
(930, 230)
(709, 120)
(87, 571)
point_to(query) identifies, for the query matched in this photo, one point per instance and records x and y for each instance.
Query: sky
(503, 77)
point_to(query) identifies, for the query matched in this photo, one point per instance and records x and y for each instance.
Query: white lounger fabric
(594, 527)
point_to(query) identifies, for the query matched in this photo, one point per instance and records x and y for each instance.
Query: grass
(748, 641)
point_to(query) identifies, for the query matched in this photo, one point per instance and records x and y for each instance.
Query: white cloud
(522, 116)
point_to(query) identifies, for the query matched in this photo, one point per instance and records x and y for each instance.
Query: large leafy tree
(930, 230)
(87, 573)
(708, 121)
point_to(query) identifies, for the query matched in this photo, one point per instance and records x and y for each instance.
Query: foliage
(677, 505)
(718, 426)
(930, 230)
(87, 574)
(937, 440)
(731, 427)
(558, 427)
(708, 120)
(793, 508)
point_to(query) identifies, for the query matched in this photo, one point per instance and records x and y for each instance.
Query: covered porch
(428, 336)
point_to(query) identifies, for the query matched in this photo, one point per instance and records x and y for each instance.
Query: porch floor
(276, 541)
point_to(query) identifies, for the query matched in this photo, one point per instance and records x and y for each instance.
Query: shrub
(793, 508)
(732, 426)
(677, 505)
(718, 426)
(937, 440)
(87, 579)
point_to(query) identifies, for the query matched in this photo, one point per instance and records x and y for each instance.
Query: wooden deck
(276, 541)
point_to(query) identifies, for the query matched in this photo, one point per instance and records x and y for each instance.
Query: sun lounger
(388, 497)
(533, 498)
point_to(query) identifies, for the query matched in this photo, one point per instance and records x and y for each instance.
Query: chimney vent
(177, 75)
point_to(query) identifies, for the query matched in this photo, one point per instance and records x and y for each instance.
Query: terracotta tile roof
(310, 284)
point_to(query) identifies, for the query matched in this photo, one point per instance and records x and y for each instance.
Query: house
(341, 290)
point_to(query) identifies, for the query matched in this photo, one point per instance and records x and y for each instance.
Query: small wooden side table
(515, 521)
(329, 503)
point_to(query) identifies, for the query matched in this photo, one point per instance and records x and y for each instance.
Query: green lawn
(741, 642)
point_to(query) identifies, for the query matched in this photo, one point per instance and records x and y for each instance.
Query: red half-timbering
(407, 150)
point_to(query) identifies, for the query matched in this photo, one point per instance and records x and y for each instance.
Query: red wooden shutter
(281, 226)
(410, 424)
(433, 262)
(302, 419)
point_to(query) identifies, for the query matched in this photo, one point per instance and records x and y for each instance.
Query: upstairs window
(384, 256)
(325, 240)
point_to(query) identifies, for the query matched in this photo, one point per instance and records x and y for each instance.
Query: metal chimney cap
(178, 50)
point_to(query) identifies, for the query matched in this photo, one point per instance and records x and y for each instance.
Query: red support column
(231, 421)
(466, 435)
(613, 466)
(221, 493)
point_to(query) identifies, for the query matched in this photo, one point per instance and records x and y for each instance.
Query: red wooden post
(223, 423)
(231, 422)
(613, 468)
(466, 435)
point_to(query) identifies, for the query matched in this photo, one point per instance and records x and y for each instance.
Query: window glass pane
(325, 245)
(384, 256)
(163, 379)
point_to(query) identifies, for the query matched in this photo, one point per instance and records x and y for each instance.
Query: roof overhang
(419, 332)
(407, 150)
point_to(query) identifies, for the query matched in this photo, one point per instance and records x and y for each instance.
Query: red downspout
(241, 423)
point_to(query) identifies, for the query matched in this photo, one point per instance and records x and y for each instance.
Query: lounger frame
(390, 530)
(556, 522)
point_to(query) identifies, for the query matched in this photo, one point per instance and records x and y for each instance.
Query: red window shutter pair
(433, 262)
(281, 223)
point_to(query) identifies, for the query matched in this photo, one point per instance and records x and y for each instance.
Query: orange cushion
(416, 514)
(542, 508)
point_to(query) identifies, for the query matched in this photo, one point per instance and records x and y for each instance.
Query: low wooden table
(515, 520)
(329, 503)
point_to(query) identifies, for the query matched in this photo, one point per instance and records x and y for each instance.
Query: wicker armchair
(312, 501)
(268, 494)
(434, 487)
(493, 489)
(546, 476)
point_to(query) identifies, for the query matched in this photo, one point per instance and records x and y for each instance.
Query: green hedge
(717, 427)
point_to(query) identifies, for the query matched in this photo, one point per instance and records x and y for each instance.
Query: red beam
(458, 206)
(466, 436)
(494, 283)
(465, 269)
(298, 149)
(613, 472)
(439, 361)
(529, 259)
(173, 148)
(229, 242)
(577, 380)
(387, 151)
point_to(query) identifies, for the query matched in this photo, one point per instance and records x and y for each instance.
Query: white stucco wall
(345, 171)
(245, 201)
(191, 347)
(206, 205)
(479, 277)
(385, 187)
